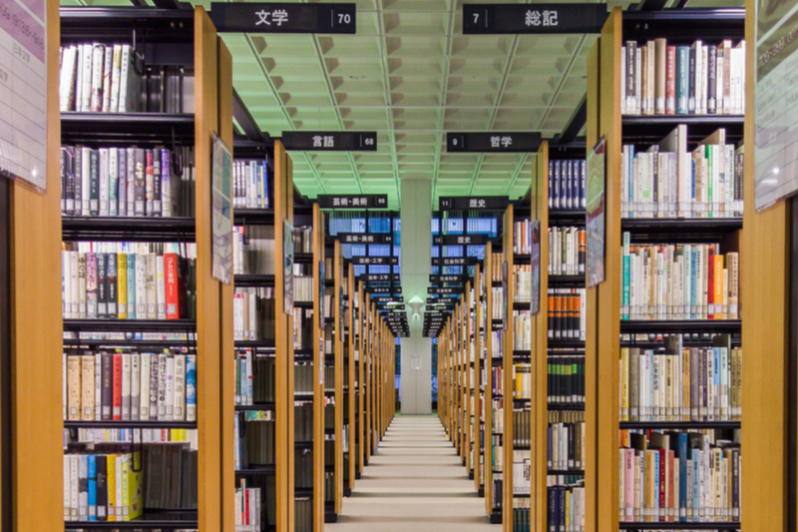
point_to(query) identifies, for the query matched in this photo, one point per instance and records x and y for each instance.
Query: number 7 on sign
(480, 18)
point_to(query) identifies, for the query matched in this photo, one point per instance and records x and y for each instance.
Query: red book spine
(663, 466)
(671, 502)
(670, 81)
(117, 401)
(172, 292)
(711, 284)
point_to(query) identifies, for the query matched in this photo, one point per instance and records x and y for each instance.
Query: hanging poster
(776, 93)
(596, 181)
(23, 91)
(534, 306)
(222, 211)
(288, 267)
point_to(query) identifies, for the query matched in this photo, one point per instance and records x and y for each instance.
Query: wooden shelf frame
(477, 376)
(488, 395)
(338, 349)
(351, 365)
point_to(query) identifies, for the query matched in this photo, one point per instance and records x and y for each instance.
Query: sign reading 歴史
(23, 75)
(375, 261)
(466, 203)
(533, 18)
(262, 17)
(352, 201)
(459, 240)
(493, 142)
(364, 238)
(330, 140)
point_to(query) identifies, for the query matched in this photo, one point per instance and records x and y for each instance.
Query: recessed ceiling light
(357, 78)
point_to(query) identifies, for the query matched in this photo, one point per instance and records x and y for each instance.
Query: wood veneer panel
(477, 372)
(338, 266)
(351, 375)
(507, 375)
(489, 382)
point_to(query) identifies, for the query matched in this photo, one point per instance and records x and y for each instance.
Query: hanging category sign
(493, 142)
(365, 238)
(330, 140)
(473, 203)
(446, 278)
(263, 17)
(376, 261)
(487, 19)
(459, 240)
(384, 289)
(453, 261)
(379, 277)
(444, 290)
(352, 201)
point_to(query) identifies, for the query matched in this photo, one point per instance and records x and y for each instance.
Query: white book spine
(85, 90)
(104, 184)
(141, 287)
(107, 70)
(160, 287)
(126, 381)
(98, 387)
(135, 386)
(179, 401)
(144, 392)
(170, 388)
(117, 58)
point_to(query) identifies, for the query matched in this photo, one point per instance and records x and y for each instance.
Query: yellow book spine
(111, 475)
(718, 281)
(121, 283)
(135, 498)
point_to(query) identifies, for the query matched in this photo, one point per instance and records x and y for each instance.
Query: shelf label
(446, 278)
(466, 203)
(388, 299)
(378, 277)
(441, 290)
(459, 240)
(375, 261)
(384, 289)
(329, 140)
(493, 142)
(352, 201)
(487, 19)
(23, 85)
(365, 238)
(263, 17)
(453, 261)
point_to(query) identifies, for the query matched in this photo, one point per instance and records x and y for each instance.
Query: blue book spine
(696, 483)
(191, 387)
(265, 168)
(682, 452)
(91, 461)
(693, 299)
(557, 168)
(551, 183)
(131, 286)
(657, 465)
(626, 277)
(568, 184)
(682, 80)
(692, 185)
(583, 164)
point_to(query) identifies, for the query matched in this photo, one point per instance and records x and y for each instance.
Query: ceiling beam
(444, 89)
(575, 123)
(244, 119)
(139, 3)
(170, 4)
(651, 5)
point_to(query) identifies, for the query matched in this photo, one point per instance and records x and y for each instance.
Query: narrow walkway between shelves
(416, 482)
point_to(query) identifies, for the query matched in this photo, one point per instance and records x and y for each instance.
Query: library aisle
(415, 482)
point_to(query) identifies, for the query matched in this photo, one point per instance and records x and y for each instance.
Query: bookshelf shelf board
(187, 520)
(265, 470)
(254, 279)
(566, 343)
(256, 407)
(130, 424)
(734, 525)
(736, 341)
(130, 325)
(122, 342)
(255, 344)
(303, 304)
(303, 258)
(129, 16)
(645, 130)
(329, 282)
(686, 226)
(130, 127)
(521, 305)
(520, 353)
(680, 425)
(128, 228)
(253, 216)
(565, 472)
(567, 281)
(303, 492)
(683, 326)
(559, 217)
(707, 24)
(566, 407)
(522, 258)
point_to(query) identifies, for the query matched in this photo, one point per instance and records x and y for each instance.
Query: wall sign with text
(263, 17)
(488, 19)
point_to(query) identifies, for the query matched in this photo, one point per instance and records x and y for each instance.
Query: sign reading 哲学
(533, 18)
(262, 17)
(776, 95)
(23, 91)
(493, 142)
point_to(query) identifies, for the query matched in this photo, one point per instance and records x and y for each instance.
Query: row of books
(521, 472)
(303, 422)
(128, 280)
(130, 386)
(96, 77)
(303, 510)
(522, 330)
(566, 505)
(127, 435)
(565, 416)
(522, 237)
(497, 419)
(254, 445)
(352, 221)
(303, 378)
(679, 282)
(521, 522)
(565, 446)
(302, 238)
(303, 468)
(523, 283)
(127, 181)
(170, 476)
(566, 379)
(662, 79)
(687, 384)
(567, 313)
(253, 313)
(496, 262)
(255, 377)
(102, 486)
(521, 427)
(247, 509)
(303, 328)
(567, 250)
(253, 249)
(303, 283)
(522, 378)
(679, 477)
(251, 183)
(668, 181)
(567, 184)
(498, 302)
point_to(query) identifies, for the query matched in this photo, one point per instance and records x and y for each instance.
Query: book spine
(96, 78)
(107, 73)
(191, 387)
(117, 387)
(144, 392)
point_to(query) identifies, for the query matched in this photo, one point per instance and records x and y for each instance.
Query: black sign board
(352, 201)
(453, 261)
(384, 289)
(330, 140)
(533, 18)
(385, 299)
(365, 238)
(376, 261)
(472, 203)
(493, 142)
(440, 302)
(379, 277)
(446, 278)
(262, 17)
(459, 240)
(444, 290)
